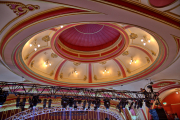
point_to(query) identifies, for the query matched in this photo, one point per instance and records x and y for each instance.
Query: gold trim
(143, 14)
(24, 12)
(168, 11)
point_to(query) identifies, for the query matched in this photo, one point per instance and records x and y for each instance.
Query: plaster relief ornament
(163, 84)
(128, 70)
(102, 62)
(119, 73)
(153, 53)
(85, 77)
(125, 53)
(46, 38)
(53, 55)
(148, 60)
(61, 75)
(51, 73)
(95, 77)
(133, 36)
(26, 57)
(76, 63)
(32, 63)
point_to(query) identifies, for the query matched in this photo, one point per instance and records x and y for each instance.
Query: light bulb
(38, 45)
(149, 41)
(45, 65)
(35, 49)
(50, 64)
(107, 71)
(61, 26)
(130, 63)
(144, 44)
(176, 92)
(76, 73)
(135, 61)
(131, 60)
(30, 45)
(141, 40)
(44, 62)
(103, 72)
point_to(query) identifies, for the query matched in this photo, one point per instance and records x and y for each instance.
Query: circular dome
(89, 37)
(90, 42)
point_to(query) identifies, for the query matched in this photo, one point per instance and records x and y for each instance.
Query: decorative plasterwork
(19, 8)
(133, 36)
(102, 63)
(53, 55)
(76, 63)
(125, 53)
(46, 38)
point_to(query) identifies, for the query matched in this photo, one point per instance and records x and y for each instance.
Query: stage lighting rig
(84, 104)
(89, 104)
(71, 102)
(75, 104)
(97, 103)
(35, 100)
(49, 103)
(44, 103)
(17, 101)
(64, 102)
(3, 96)
(107, 103)
(130, 107)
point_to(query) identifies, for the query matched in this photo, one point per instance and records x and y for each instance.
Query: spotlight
(3, 96)
(35, 100)
(64, 102)
(17, 101)
(84, 104)
(49, 103)
(44, 103)
(89, 104)
(71, 102)
(75, 104)
(30, 103)
(22, 104)
(107, 103)
(140, 104)
(131, 105)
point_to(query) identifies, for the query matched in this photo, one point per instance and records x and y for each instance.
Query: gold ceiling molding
(102, 62)
(46, 38)
(153, 53)
(141, 13)
(51, 73)
(61, 75)
(125, 53)
(32, 63)
(76, 63)
(20, 9)
(26, 57)
(148, 60)
(169, 11)
(133, 36)
(85, 77)
(53, 55)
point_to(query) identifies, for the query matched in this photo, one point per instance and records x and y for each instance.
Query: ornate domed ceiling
(126, 53)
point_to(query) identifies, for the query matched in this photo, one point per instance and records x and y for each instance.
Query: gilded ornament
(61, 75)
(119, 73)
(19, 9)
(133, 36)
(46, 38)
(26, 57)
(125, 53)
(102, 62)
(53, 55)
(153, 53)
(85, 77)
(51, 73)
(32, 63)
(148, 60)
(128, 70)
(95, 77)
(163, 84)
(76, 63)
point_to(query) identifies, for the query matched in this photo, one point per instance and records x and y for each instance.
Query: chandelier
(34, 43)
(46, 63)
(144, 40)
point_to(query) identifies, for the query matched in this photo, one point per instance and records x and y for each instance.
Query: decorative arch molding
(121, 67)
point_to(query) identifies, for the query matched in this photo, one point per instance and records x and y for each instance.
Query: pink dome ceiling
(89, 37)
